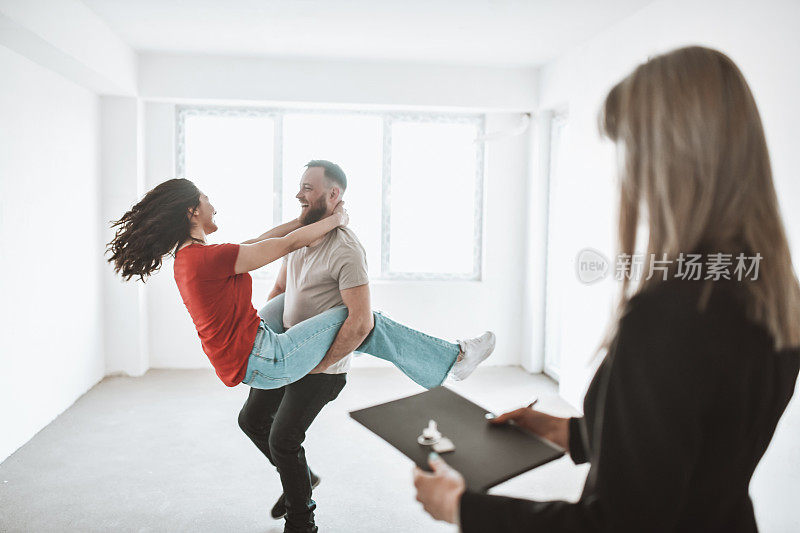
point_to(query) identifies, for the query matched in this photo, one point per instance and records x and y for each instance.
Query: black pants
(276, 421)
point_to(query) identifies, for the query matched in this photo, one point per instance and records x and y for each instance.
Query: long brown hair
(154, 227)
(696, 159)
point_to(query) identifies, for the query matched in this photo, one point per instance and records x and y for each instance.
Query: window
(415, 182)
(435, 189)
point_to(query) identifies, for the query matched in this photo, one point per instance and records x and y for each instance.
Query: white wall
(68, 38)
(535, 245)
(125, 331)
(443, 308)
(50, 320)
(172, 339)
(206, 77)
(761, 37)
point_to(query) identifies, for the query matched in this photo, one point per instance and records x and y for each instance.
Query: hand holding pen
(552, 428)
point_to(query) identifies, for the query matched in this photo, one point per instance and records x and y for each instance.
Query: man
(329, 272)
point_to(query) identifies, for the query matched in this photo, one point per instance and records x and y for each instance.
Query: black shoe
(279, 509)
(314, 529)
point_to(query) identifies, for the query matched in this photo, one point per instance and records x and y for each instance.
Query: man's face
(317, 196)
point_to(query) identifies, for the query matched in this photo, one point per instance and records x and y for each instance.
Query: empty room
(354, 266)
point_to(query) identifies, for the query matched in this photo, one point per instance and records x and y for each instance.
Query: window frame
(557, 121)
(387, 118)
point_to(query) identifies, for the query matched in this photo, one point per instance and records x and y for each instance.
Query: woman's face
(204, 215)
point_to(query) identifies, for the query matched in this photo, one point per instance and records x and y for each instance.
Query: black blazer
(675, 421)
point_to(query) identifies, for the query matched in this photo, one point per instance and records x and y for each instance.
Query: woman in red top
(175, 217)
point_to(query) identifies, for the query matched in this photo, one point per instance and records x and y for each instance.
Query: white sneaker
(475, 351)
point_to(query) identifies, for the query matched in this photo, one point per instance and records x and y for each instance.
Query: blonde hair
(696, 159)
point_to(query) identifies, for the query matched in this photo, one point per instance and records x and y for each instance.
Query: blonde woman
(697, 372)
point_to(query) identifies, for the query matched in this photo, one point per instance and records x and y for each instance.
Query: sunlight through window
(433, 179)
(354, 143)
(414, 181)
(230, 159)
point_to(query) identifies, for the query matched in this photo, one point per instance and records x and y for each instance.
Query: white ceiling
(480, 32)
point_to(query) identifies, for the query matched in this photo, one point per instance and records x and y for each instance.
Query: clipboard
(485, 454)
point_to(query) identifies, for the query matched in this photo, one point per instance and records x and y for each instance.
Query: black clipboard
(485, 454)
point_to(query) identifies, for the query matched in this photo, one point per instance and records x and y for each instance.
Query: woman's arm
(549, 427)
(277, 231)
(254, 256)
(569, 433)
(657, 385)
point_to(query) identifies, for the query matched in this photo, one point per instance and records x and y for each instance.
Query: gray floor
(163, 453)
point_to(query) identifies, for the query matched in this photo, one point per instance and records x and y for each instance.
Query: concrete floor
(163, 452)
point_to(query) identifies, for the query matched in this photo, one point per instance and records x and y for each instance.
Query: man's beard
(315, 212)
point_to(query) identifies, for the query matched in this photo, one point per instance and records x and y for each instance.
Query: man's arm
(277, 231)
(356, 327)
(280, 282)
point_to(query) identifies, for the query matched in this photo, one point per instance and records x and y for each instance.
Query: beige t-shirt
(316, 274)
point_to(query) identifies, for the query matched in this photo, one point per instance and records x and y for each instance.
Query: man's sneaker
(279, 509)
(474, 351)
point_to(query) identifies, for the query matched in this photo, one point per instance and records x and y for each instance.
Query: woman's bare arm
(254, 256)
(277, 231)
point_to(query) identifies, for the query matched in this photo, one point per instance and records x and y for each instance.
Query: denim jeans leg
(425, 359)
(284, 358)
(272, 313)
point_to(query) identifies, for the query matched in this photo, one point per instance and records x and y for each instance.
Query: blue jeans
(279, 358)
